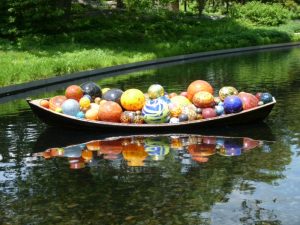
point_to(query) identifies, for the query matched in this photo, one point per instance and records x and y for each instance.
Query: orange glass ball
(74, 92)
(249, 144)
(203, 99)
(110, 111)
(91, 114)
(87, 155)
(202, 149)
(134, 154)
(44, 103)
(93, 145)
(198, 85)
(249, 100)
(173, 94)
(76, 164)
(56, 102)
(111, 149)
(47, 154)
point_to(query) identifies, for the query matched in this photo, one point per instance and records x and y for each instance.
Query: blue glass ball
(165, 99)
(233, 104)
(70, 107)
(73, 151)
(183, 117)
(156, 148)
(219, 110)
(155, 111)
(266, 98)
(232, 147)
(80, 115)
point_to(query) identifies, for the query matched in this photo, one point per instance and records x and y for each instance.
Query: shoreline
(11, 90)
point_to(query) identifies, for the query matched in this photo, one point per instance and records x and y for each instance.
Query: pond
(231, 175)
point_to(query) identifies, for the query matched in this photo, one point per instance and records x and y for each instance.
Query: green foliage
(113, 39)
(138, 4)
(33, 16)
(262, 14)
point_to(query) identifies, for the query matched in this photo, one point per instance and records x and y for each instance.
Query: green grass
(128, 39)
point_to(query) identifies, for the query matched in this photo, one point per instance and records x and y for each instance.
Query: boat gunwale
(35, 102)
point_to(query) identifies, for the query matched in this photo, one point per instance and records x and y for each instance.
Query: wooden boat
(61, 120)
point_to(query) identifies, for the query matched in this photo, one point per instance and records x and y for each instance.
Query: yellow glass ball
(181, 101)
(84, 102)
(133, 99)
(105, 90)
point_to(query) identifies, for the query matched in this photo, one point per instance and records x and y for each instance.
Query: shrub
(261, 14)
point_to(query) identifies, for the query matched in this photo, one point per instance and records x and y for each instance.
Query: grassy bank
(129, 38)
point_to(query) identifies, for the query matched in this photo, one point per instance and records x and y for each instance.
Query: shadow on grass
(125, 33)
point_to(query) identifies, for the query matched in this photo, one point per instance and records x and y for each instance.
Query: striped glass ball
(155, 111)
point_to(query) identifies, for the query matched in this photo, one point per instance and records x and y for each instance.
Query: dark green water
(171, 183)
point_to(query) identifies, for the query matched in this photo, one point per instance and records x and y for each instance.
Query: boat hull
(60, 120)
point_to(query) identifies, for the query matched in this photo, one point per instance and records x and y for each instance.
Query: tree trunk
(65, 5)
(201, 6)
(120, 4)
(174, 6)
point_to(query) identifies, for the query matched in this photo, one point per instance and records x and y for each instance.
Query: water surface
(169, 186)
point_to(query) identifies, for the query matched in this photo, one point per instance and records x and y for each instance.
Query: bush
(261, 14)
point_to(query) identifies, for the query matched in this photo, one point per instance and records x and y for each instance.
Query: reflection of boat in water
(147, 150)
(64, 137)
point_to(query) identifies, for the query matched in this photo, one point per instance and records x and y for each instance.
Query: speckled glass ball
(127, 117)
(227, 91)
(203, 99)
(132, 100)
(155, 91)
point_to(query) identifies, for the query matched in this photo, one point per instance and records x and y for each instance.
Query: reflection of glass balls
(155, 111)
(156, 148)
(70, 107)
(233, 104)
(155, 91)
(227, 91)
(266, 98)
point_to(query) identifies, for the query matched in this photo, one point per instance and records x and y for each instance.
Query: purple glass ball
(233, 104)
